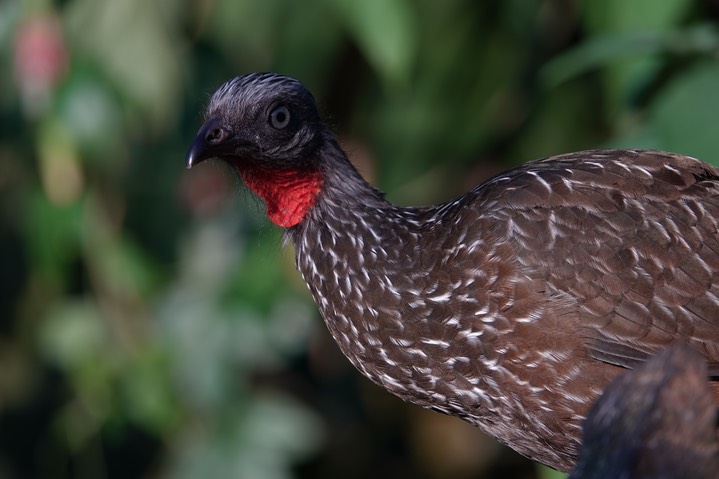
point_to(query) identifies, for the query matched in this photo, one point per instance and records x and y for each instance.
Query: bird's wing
(632, 237)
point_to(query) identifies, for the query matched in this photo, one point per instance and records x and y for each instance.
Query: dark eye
(280, 117)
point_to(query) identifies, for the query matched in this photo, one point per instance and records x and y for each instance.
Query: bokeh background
(151, 323)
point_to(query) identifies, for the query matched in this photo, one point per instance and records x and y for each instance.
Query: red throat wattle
(289, 194)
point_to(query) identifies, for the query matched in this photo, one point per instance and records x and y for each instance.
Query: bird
(657, 421)
(511, 306)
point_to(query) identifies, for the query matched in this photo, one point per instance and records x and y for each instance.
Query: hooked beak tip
(212, 139)
(196, 153)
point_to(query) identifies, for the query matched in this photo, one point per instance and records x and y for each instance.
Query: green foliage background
(151, 324)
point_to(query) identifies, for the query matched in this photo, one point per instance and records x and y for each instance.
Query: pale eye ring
(280, 117)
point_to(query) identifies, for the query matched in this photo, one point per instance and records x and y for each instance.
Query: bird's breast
(419, 313)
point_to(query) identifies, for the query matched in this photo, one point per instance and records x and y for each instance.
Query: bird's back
(628, 240)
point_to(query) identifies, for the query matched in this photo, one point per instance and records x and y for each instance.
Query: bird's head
(258, 120)
(267, 127)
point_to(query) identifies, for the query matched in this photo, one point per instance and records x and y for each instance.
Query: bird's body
(511, 306)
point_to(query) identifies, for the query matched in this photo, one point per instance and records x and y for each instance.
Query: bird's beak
(213, 140)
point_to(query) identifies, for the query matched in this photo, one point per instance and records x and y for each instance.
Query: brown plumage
(657, 421)
(512, 306)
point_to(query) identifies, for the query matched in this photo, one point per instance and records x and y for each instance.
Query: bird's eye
(280, 117)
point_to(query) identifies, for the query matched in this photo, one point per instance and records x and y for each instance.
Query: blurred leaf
(125, 267)
(133, 42)
(92, 114)
(204, 346)
(72, 334)
(10, 14)
(247, 32)
(600, 51)
(277, 422)
(612, 15)
(605, 50)
(554, 128)
(210, 255)
(53, 235)
(684, 117)
(545, 472)
(306, 51)
(386, 32)
(258, 441)
(256, 281)
(256, 35)
(624, 78)
(148, 394)
(291, 325)
(75, 337)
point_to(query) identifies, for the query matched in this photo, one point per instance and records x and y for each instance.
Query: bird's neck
(289, 194)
